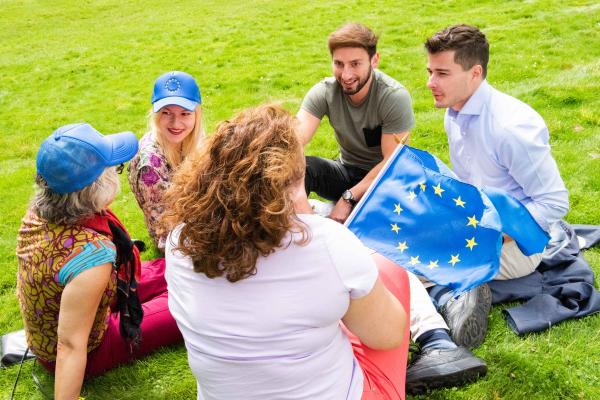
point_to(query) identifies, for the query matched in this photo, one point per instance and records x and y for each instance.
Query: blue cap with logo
(75, 155)
(176, 88)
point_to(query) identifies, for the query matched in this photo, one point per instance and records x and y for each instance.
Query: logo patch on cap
(172, 85)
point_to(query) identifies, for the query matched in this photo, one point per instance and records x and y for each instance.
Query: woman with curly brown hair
(258, 284)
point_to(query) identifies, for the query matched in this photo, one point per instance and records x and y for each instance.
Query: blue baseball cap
(75, 155)
(176, 88)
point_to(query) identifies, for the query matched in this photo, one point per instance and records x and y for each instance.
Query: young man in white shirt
(494, 140)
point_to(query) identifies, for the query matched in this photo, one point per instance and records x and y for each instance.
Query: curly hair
(233, 198)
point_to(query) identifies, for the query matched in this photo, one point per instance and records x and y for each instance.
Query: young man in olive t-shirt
(371, 113)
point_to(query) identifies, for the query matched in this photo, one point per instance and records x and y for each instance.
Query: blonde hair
(189, 145)
(70, 208)
(234, 196)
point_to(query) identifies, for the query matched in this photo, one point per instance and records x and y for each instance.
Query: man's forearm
(388, 146)
(361, 187)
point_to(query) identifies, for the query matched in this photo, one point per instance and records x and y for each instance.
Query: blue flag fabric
(418, 214)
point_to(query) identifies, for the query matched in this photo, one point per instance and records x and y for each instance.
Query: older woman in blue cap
(87, 302)
(175, 131)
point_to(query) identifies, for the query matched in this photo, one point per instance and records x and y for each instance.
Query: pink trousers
(385, 370)
(158, 326)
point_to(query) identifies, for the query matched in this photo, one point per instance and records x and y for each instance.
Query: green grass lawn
(96, 61)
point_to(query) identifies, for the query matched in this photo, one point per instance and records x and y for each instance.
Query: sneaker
(437, 368)
(467, 316)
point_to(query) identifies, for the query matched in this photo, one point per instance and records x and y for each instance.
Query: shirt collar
(474, 105)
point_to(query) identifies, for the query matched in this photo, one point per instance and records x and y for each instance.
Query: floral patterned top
(149, 177)
(42, 250)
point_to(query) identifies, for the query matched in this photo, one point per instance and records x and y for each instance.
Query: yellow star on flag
(454, 259)
(402, 246)
(433, 264)
(438, 190)
(471, 243)
(472, 221)
(414, 260)
(459, 202)
(411, 195)
(398, 209)
(395, 228)
(422, 185)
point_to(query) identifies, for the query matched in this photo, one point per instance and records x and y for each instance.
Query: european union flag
(418, 214)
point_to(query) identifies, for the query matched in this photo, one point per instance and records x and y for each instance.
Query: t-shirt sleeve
(84, 257)
(397, 112)
(315, 101)
(353, 261)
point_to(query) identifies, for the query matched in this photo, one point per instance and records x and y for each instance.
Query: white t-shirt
(275, 335)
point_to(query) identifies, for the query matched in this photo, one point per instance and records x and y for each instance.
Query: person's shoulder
(177, 262)
(328, 82)
(149, 154)
(172, 241)
(89, 235)
(509, 111)
(325, 86)
(80, 238)
(333, 233)
(390, 92)
(387, 83)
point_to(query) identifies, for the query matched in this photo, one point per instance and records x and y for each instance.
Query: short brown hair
(353, 35)
(234, 196)
(469, 43)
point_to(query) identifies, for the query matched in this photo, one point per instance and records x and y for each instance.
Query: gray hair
(70, 208)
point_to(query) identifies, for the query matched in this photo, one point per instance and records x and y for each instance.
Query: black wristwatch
(349, 197)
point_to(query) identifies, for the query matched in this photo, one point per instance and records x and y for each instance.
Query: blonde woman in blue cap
(175, 124)
(88, 303)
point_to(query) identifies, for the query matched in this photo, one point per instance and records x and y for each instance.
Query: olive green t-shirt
(358, 129)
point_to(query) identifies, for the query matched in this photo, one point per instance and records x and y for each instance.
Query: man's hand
(506, 238)
(341, 211)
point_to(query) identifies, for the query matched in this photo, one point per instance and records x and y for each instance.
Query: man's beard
(359, 86)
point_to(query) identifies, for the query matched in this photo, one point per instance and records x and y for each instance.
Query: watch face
(347, 195)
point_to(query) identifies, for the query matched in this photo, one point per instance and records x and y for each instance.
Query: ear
(375, 60)
(477, 72)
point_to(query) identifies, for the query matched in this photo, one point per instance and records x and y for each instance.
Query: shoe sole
(458, 378)
(474, 328)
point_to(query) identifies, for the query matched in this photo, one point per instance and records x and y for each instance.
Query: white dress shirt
(499, 141)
